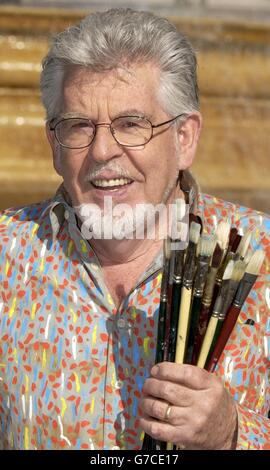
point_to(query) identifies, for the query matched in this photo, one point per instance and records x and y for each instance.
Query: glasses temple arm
(167, 122)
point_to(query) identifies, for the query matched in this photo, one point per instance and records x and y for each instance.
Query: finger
(169, 392)
(163, 411)
(190, 376)
(164, 431)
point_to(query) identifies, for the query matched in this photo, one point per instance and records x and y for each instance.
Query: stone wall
(234, 71)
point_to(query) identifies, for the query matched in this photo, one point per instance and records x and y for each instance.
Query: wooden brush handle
(194, 320)
(200, 332)
(161, 332)
(225, 333)
(214, 341)
(183, 325)
(207, 342)
(176, 299)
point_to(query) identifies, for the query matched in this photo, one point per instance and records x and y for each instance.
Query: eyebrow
(134, 112)
(126, 112)
(71, 115)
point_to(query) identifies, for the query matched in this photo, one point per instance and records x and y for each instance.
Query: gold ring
(167, 414)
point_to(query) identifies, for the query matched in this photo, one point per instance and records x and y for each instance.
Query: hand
(188, 406)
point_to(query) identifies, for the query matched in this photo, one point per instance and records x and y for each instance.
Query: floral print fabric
(72, 366)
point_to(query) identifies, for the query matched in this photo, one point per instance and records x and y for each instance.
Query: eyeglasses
(129, 131)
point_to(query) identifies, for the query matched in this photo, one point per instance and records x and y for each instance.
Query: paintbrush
(180, 317)
(205, 249)
(242, 249)
(239, 253)
(230, 255)
(163, 301)
(245, 286)
(176, 299)
(178, 247)
(186, 291)
(150, 443)
(237, 274)
(223, 232)
(213, 323)
(205, 314)
(227, 295)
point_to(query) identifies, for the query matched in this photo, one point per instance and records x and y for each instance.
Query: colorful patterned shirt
(72, 366)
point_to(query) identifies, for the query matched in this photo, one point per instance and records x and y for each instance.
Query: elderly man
(79, 317)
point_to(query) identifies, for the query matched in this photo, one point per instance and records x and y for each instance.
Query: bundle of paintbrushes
(209, 282)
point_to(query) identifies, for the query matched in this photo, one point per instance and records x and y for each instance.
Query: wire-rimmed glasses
(129, 131)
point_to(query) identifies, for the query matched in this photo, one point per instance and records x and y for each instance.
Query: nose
(104, 147)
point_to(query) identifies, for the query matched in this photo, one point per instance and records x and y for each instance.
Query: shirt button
(121, 323)
(119, 384)
(66, 214)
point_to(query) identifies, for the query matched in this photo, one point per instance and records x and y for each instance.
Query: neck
(118, 252)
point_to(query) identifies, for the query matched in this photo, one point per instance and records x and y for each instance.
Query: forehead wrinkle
(82, 90)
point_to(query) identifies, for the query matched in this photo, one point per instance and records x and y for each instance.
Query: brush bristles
(238, 270)
(222, 233)
(255, 263)
(194, 232)
(244, 244)
(228, 271)
(206, 245)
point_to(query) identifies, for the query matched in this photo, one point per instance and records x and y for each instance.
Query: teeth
(112, 182)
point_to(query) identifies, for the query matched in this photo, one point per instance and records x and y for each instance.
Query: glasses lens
(75, 133)
(131, 130)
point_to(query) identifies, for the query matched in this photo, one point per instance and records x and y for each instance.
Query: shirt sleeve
(245, 366)
(253, 430)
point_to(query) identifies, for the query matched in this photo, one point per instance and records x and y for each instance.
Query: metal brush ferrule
(223, 295)
(197, 292)
(224, 290)
(179, 263)
(177, 279)
(163, 297)
(209, 287)
(188, 283)
(190, 266)
(217, 307)
(201, 273)
(229, 297)
(244, 288)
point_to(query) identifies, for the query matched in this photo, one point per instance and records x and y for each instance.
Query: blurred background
(232, 40)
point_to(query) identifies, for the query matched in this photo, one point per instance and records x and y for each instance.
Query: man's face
(150, 171)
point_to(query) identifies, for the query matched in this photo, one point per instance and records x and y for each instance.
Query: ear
(188, 136)
(56, 150)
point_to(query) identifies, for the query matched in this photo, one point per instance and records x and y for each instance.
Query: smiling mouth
(111, 184)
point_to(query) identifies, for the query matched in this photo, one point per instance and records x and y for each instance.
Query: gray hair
(119, 37)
